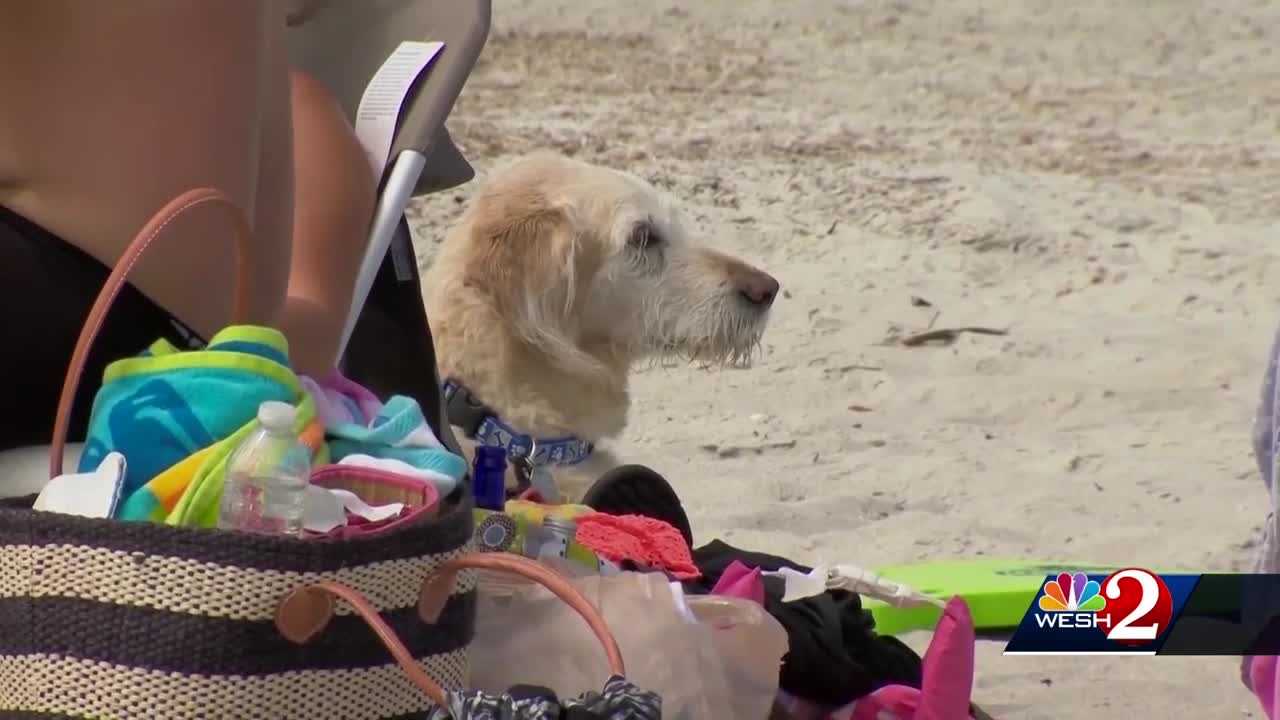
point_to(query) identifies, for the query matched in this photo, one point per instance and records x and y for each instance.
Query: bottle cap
(277, 416)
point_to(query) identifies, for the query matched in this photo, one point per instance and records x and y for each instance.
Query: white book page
(384, 96)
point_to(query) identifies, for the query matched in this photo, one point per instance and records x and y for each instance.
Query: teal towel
(398, 432)
(166, 404)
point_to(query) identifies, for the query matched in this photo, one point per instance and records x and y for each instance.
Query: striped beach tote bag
(109, 619)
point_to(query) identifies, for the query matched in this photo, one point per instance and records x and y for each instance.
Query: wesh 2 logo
(1130, 606)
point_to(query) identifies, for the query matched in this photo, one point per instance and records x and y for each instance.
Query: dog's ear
(523, 258)
(521, 245)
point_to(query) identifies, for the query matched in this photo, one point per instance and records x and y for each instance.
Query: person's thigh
(110, 109)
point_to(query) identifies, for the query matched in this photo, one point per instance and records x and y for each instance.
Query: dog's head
(594, 266)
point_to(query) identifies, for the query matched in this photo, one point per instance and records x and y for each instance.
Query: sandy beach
(1101, 179)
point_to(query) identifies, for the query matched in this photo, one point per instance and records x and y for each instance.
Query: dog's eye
(644, 237)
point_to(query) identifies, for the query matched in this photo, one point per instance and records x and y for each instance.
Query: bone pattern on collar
(492, 431)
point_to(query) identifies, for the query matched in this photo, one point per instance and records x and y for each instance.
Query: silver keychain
(537, 477)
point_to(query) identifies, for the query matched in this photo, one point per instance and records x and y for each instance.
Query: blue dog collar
(484, 426)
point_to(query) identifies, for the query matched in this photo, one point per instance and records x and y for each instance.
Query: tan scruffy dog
(559, 278)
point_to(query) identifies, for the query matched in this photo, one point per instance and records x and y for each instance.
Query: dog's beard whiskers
(711, 332)
(734, 341)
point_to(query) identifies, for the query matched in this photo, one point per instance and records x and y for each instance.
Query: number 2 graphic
(1125, 629)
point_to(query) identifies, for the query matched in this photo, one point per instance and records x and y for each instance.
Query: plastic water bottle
(266, 482)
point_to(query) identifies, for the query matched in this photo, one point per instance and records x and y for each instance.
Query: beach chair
(387, 344)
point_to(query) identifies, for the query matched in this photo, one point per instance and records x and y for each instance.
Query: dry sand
(1102, 178)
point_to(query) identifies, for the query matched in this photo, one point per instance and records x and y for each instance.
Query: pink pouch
(1261, 678)
(947, 677)
(377, 487)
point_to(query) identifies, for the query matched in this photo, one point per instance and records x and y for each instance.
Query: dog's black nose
(759, 288)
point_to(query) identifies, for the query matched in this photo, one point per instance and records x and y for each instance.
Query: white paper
(865, 582)
(372, 513)
(798, 585)
(383, 97)
(93, 494)
(324, 510)
(327, 509)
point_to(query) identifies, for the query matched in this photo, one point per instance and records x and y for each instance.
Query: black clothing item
(639, 490)
(391, 351)
(835, 657)
(49, 286)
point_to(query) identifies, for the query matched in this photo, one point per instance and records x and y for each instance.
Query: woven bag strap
(304, 613)
(115, 281)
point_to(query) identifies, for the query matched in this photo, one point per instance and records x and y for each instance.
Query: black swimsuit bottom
(48, 286)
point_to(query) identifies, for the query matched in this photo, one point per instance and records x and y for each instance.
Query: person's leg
(334, 192)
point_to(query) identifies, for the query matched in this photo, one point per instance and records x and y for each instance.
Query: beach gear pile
(398, 596)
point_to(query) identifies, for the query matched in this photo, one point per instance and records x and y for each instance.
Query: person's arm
(334, 196)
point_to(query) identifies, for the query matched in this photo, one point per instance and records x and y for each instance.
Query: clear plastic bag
(707, 656)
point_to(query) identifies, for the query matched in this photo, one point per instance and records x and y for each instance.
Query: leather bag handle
(185, 202)
(305, 612)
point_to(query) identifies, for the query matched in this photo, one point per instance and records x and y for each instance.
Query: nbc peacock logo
(1072, 601)
(1072, 593)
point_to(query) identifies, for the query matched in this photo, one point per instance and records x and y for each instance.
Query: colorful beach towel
(165, 405)
(190, 492)
(397, 431)
(340, 400)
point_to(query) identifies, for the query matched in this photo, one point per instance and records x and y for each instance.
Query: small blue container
(489, 478)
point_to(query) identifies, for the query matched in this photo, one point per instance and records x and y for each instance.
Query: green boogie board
(998, 592)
